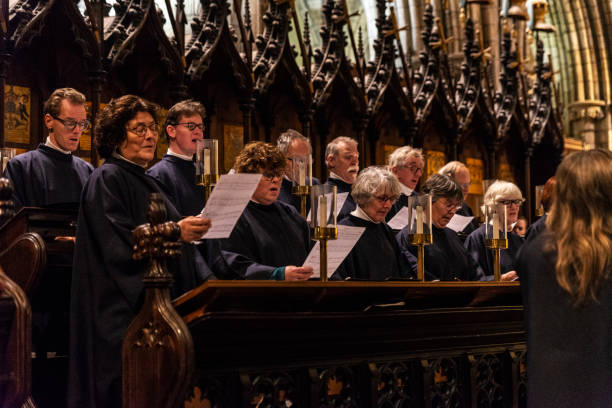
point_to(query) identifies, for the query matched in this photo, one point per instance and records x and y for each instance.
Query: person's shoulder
(477, 234)
(288, 208)
(82, 163)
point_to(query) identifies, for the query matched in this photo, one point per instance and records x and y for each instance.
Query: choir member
(342, 160)
(500, 193)
(107, 284)
(566, 281)
(520, 227)
(51, 175)
(407, 163)
(376, 256)
(176, 171)
(461, 174)
(546, 201)
(446, 259)
(292, 144)
(270, 238)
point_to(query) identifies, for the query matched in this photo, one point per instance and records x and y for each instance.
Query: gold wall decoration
(476, 168)
(388, 149)
(17, 109)
(162, 140)
(233, 142)
(435, 160)
(85, 142)
(505, 173)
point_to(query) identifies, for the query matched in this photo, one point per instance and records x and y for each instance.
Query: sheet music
(459, 222)
(227, 201)
(400, 220)
(340, 199)
(337, 250)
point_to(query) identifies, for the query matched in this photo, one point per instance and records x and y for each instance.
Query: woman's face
(378, 206)
(442, 210)
(513, 205)
(268, 189)
(142, 133)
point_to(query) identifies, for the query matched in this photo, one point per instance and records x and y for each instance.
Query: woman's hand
(509, 276)
(194, 228)
(295, 273)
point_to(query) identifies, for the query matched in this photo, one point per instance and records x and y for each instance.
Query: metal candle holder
(419, 221)
(303, 192)
(324, 234)
(301, 168)
(496, 234)
(322, 198)
(207, 165)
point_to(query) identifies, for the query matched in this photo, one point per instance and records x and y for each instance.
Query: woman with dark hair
(107, 283)
(566, 280)
(446, 259)
(270, 238)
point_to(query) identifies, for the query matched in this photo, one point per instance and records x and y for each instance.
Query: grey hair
(401, 155)
(440, 186)
(450, 169)
(289, 136)
(333, 146)
(372, 180)
(501, 190)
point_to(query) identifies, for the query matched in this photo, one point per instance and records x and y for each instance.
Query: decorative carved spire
(469, 87)
(540, 104)
(506, 99)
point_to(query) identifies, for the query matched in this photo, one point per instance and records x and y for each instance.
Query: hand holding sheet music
(337, 250)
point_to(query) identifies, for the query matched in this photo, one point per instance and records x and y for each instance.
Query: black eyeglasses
(192, 126)
(508, 203)
(271, 176)
(71, 124)
(383, 199)
(141, 130)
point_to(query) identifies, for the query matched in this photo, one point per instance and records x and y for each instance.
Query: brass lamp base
(207, 181)
(303, 192)
(497, 245)
(324, 234)
(420, 240)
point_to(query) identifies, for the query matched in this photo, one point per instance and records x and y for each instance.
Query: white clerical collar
(407, 191)
(359, 213)
(180, 156)
(119, 156)
(337, 177)
(54, 147)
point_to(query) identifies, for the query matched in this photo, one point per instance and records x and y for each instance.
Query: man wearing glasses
(407, 163)
(51, 175)
(176, 171)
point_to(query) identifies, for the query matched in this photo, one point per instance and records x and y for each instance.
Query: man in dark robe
(461, 174)
(407, 163)
(51, 175)
(342, 160)
(293, 144)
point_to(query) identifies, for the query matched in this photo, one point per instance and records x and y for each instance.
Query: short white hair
(333, 146)
(450, 169)
(501, 190)
(372, 180)
(401, 155)
(289, 136)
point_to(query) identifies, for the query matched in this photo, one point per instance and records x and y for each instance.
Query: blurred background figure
(548, 194)
(461, 174)
(520, 227)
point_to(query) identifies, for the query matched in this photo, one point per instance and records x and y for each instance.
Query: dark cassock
(570, 348)
(286, 194)
(266, 238)
(46, 177)
(475, 244)
(446, 259)
(466, 211)
(376, 255)
(537, 227)
(343, 187)
(402, 201)
(107, 289)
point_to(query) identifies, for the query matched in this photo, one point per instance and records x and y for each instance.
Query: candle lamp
(538, 196)
(323, 220)
(301, 169)
(420, 235)
(496, 234)
(207, 164)
(6, 154)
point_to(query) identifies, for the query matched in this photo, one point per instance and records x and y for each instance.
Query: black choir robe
(343, 187)
(402, 201)
(46, 177)
(178, 179)
(475, 244)
(537, 227)
(107, 289)
(446, 259)
(466, 211)
(286, 195)
(376, 256)
(570, 347)
(266, 238)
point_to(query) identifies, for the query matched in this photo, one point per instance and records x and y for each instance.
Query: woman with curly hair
(566, 281)
(270, 238)
(107, 285)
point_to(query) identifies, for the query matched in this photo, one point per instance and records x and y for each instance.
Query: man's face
(61, 135)
(182, 140)
(462, 176)
(296, 148)
(346, 162)
(410, 173)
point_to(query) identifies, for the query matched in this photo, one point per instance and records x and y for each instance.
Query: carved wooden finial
(7, 206)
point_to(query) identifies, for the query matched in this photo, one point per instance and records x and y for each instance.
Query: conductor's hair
(289, 136)
(53, 105)
(440, 186)
(580, 221)
(401, 155)
(450, 169)
(181, 109)
(374, 180)
(258, 156)
(333, 146)
(112, 120)
(548, 193)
